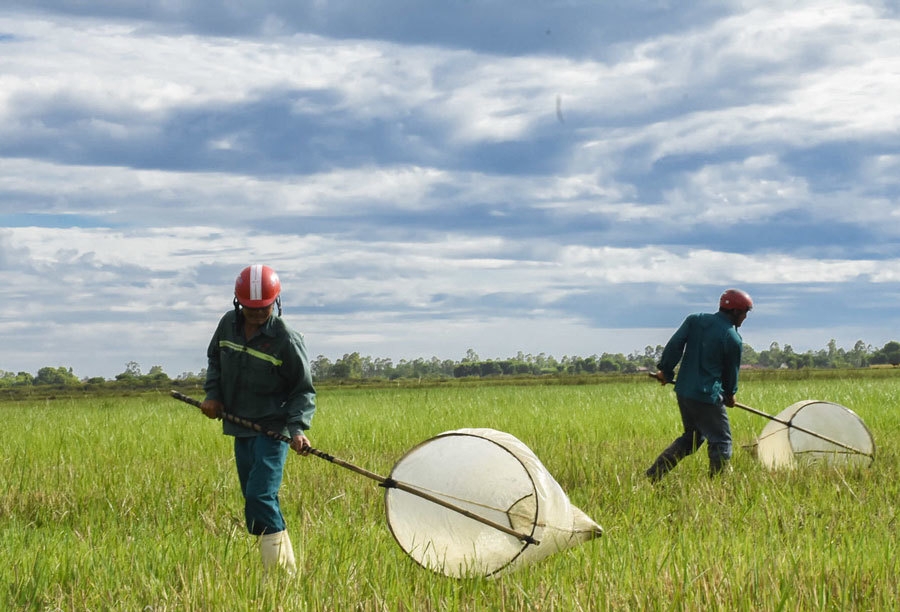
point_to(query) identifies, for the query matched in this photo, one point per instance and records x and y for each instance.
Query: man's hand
(661, 377)
(212, 408)
(729, 400)
(300, 444)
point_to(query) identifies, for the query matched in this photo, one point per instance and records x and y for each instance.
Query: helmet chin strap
(237, 311)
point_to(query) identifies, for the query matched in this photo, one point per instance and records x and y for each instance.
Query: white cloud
(400, 274)
(421, 200)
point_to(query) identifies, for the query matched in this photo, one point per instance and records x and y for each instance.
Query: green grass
(132, 504)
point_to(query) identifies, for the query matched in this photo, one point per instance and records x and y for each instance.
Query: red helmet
(735, 299)
(257, 286)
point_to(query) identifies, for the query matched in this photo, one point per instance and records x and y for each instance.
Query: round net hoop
(495, 476)
(842, 439)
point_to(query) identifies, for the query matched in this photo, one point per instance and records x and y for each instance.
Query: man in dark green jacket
(708, 346)
(258, 370)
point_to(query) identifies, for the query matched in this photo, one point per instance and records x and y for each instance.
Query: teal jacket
(266, 380)
(709, 349)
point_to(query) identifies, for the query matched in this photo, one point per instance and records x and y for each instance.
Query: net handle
(383, 481)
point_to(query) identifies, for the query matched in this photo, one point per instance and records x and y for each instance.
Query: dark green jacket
(266, 379)
(709, 349)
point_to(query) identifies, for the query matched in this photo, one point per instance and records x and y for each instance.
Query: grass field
(132, 504)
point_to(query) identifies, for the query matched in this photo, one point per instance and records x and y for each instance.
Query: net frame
(391, 497)
(792, 437)
(548, 522)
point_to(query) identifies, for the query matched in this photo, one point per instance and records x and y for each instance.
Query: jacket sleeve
(674, 350)
(301, 402)
(732, 363)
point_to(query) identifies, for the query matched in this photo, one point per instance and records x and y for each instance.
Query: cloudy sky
(561, 176)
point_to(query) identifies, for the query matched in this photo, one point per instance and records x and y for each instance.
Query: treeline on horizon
(353, 366)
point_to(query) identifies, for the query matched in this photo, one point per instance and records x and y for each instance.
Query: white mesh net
(819, 432)
(495, 476)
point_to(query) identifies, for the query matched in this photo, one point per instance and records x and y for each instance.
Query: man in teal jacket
(708, 346)
(258, 370)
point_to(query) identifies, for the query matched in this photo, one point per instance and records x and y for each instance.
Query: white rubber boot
(276, 551)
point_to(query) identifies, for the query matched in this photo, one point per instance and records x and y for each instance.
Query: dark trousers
(260, 466)
(702, 422)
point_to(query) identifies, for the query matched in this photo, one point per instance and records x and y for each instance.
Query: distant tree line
(353, 366)
(131, 377)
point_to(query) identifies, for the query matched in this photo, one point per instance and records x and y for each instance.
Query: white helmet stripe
(256, 282)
